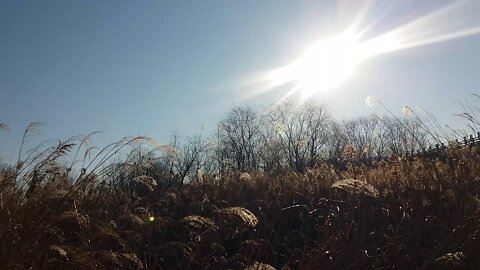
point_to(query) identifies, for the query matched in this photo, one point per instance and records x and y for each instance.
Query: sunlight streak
(450, 22)
(329, 62)
(324, 65)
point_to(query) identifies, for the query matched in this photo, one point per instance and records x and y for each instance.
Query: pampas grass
(70, 205)
(354, 186)
(401, 213)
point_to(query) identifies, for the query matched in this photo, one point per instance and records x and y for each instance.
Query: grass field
(416, 213)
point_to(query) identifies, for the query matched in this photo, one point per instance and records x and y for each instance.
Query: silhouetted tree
(239, 135)
(406, 135)
(301, 132)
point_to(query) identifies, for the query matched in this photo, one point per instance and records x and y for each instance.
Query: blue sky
(154, 67)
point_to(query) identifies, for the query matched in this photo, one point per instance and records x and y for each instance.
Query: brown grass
(402, 214)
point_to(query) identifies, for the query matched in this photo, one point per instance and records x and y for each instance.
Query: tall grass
(70, 205)
(400, 214)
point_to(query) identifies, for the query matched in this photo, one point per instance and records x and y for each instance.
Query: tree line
(288, 137)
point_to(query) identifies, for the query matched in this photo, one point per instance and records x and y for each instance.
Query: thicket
(138, 205)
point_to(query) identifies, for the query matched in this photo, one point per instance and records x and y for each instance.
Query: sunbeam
(451, 22)
(330, 61)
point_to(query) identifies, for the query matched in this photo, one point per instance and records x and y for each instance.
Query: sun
(330, 61)
(323, 66)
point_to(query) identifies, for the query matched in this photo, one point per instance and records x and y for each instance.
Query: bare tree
(239, 135)
(406, 135)
(336, 141)
(301, 132)
(271, 155)
(369, 135)
(180, 159)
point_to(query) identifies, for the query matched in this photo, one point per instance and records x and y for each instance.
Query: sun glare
(330, 61)
(323, 66)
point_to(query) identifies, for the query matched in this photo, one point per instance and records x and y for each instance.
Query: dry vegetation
(402, 214)
(64, 207)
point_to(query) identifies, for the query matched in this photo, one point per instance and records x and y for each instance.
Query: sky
(157, 67)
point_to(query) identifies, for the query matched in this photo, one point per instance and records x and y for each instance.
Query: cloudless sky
(155, 67)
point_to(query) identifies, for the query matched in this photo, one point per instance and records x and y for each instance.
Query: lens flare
(331, 61)
(328, 63)
(324, 65)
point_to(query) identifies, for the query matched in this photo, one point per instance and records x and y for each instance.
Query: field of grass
(417, 213)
